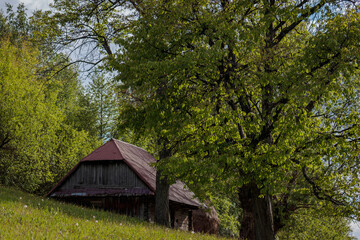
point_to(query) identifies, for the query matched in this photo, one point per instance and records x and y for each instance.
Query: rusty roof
(139, 160)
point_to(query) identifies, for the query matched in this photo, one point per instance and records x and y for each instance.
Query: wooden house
(119, 177)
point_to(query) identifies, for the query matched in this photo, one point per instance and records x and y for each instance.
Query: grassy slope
(25, 216)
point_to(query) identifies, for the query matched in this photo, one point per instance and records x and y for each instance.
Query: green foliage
(309, 224)
(41, 133)
(23, 113)
(250, 96)
(102, 99)
(15, 24)
(303, 224)
(27, 216)
(37, 145)
(229, 213)
(245, 95)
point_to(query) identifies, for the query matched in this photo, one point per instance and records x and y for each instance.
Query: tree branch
(289, 28)
(318, 191)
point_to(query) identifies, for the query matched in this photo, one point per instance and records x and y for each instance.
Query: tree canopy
(261, 97)
(39, 141)
(257, 99)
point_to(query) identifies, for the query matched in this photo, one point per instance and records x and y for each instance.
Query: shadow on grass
(50, 205)
(133, 228)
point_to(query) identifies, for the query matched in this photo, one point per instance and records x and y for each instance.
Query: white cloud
(355, 226)
(37, 4)
(31, 5)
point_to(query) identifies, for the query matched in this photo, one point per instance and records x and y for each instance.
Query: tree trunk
(257, 219)
(162, 211)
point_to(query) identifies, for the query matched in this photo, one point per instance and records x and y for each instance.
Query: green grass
(26, 216)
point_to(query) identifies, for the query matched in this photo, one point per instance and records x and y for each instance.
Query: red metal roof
(139, 160)
(108, 151)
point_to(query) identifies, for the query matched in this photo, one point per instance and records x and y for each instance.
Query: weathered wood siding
(181, 219)
(151, 211)
(130, 206)
(114, 174)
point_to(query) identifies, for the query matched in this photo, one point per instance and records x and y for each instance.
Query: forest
(253, 104)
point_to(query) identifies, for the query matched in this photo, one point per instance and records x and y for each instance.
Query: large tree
(261, 97)
(258, 98)
(96, 26)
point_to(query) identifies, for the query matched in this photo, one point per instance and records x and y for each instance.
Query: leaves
(38, 144)
(236, 92)
(260, 98)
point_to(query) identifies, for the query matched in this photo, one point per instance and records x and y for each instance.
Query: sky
(33, 5)
(355, 226)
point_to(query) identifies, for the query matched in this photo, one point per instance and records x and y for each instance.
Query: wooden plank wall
(112, 174)
(181, 219)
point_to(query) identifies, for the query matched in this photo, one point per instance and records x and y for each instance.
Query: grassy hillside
(25, 216)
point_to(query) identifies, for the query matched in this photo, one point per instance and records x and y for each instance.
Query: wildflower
(96, 221)
(77, 224)
(38, 204)
(120, 224)
(25, 206)
(20, 198)
(94, 217)
(42, 199)
(192, 232)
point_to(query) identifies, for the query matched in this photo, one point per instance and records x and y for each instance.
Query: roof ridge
(133, 164)
(114, 139)
(139, 161)
(115, 155)
(117, 147)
